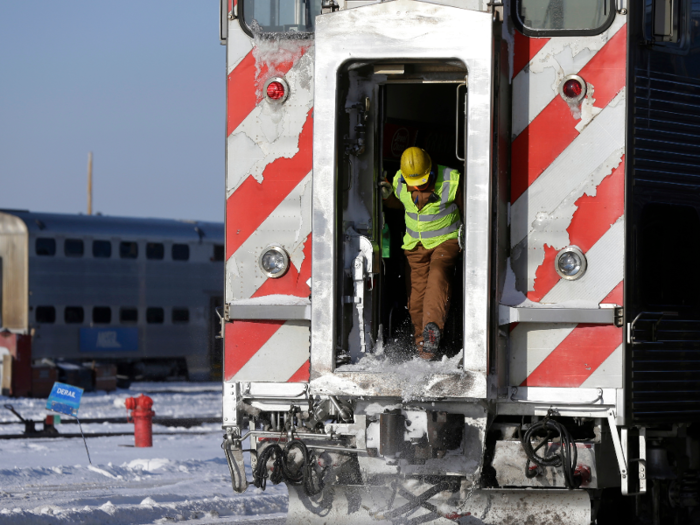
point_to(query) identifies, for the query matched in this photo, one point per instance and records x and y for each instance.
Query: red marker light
(572, 88)
(275, 90)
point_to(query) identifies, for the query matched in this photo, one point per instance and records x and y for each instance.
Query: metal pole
(89, 185)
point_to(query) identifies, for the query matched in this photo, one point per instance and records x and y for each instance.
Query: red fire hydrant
(142, 417)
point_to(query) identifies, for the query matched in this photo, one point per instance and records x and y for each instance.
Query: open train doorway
(388, 108)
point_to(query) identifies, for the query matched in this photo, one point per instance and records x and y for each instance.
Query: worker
(431, 198)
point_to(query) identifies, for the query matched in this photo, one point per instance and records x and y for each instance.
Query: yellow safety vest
(437, 221)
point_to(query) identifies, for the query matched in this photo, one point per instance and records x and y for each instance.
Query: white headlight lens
(571, 263)
(274, 261)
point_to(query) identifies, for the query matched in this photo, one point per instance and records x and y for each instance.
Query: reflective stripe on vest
(434, 217)
(435, 233)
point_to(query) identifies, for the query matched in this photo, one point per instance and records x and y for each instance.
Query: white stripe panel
(271, 131)
(538, 83)
(530, 344)
(605, 271)
(578, 170)
(288, 225)
(281, 356)
(608, 374)
(238, 45)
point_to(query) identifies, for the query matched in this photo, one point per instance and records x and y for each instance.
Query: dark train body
(138, 293)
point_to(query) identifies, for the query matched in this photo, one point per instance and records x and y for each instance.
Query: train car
(569, 389)
(140, 294)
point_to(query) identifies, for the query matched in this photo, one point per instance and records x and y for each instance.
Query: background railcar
(138, 293)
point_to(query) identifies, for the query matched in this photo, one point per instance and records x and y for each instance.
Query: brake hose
(281, 470)
(566, 458)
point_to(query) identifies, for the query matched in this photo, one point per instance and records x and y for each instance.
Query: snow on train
(569, 392)
(140, 294)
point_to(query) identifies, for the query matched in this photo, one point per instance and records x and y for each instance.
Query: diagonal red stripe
(616, 296)
(253, 202)
(524, 50)
(242, 341)
(593, 217)
(577, 357)
(551, 132)
(303, 374)
(245, 83)
(240, 97)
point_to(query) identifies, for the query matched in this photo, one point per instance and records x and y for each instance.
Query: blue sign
(109, 339)
(64, 399)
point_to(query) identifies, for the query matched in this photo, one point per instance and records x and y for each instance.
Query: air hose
(567, 456)
(281, 470)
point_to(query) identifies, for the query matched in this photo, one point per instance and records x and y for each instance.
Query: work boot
(431, 341)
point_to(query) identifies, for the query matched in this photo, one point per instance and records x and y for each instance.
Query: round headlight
(570, 263)
(274, 261)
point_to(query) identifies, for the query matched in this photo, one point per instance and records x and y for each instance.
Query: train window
(73, 247)
(128, 250)
(101, 315)
(559, 17)
(218, 252)
(155, 315)
(101, 249)
(73, 315)
(155, 250)
(45, 314)
(128, 315)
(181, 252)
(273, 16)
(45, 246)
(181, 315)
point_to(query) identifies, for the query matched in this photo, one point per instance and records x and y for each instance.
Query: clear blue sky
(141, 84)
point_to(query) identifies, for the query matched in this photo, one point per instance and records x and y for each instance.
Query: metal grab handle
(457, 121)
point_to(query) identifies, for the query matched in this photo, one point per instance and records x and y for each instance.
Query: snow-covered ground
(183, 478)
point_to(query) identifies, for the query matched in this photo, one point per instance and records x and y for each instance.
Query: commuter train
(140, 294)
(570, 389)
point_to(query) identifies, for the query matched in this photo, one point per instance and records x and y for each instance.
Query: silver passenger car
(140, 293)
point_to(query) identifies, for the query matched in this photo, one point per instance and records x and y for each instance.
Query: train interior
(388, 108)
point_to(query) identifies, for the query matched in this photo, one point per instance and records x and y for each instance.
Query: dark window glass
(102, 249)
(73, 247)
(45, 246)
(181, 252)
(280, 17)
(73, 315)
(565, 15)
(102, 315)
(155, 315)
(155, 250)
(668, 237)
(218, 252)
(128, 315)
(128, 250)
(45, 314)
(181, 315)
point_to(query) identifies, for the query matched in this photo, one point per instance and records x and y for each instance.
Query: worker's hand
(386, 189)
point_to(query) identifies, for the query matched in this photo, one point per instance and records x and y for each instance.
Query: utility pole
(89, 188)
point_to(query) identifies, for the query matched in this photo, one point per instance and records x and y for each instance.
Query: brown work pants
(429, 283)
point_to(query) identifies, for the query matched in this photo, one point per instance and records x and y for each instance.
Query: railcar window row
(103, 315)
(102, 249)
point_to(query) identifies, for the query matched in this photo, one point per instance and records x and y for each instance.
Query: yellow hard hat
(415, 166)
